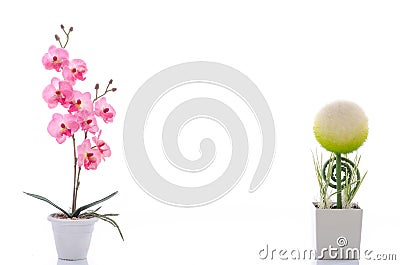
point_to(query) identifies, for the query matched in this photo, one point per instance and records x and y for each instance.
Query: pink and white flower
(62, 126)
(58, 92)
(81, 101)
(104, 110)
(75, 70)
(56, 58)
(102, 146)
(87, 156)
(88, 121)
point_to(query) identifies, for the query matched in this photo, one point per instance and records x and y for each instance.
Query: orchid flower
(102, 146)
(62, 126)
(87, 156)
(76, 69)
(55, 59)
(104, 110)
(58, 92)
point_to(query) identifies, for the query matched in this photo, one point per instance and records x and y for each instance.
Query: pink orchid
(78, 118)
(103, 148)
(62, 127)
(87, 156)
(81, 101)
(58, 92)
(104, 110)
(75, 70)
(55, 59)
(88, 121)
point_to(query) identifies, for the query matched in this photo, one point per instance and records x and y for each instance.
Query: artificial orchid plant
(341, 128)
(80, 118)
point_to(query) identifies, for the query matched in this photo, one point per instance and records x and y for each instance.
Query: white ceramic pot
(72, 237)
(338, 233)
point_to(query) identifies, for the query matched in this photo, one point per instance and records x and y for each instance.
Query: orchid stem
(74, 194)
(105, 91)
(67, 35)
(78, 183)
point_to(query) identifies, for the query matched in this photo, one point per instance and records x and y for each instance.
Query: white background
(301, 54)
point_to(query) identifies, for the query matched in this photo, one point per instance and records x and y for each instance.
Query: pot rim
(72, 221)
(315, 204)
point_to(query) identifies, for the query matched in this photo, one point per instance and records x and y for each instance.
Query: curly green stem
(339, 180)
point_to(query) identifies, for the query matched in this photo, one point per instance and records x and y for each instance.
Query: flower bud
(57, 37)
(97, 87)
(110, 82)
(114, 89)
(71, 29)
(62, 26)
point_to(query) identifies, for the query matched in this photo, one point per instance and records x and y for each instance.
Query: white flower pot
(338, 233)
(72, 237)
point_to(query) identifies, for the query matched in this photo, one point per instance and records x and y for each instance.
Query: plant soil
(63, 216)
(353, 206)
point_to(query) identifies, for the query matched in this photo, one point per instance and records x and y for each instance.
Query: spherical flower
(341, 127)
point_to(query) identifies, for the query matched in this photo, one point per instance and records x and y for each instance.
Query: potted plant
(341, 128)
(73, 228)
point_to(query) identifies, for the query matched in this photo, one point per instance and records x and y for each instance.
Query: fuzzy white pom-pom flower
(341, 127)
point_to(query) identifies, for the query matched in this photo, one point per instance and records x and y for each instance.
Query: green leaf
(49, 202)
(80, 209)
(89, 212)
(106, 218)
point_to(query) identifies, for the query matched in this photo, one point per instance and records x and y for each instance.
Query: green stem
(339, 180)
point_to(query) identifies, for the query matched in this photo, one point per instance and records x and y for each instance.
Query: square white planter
(338, 233)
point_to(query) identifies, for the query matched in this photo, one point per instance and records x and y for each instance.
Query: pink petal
(68, 76)
(66, 90)
(48, 96)
(62, 53)
(61, 139)
(70, 121)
